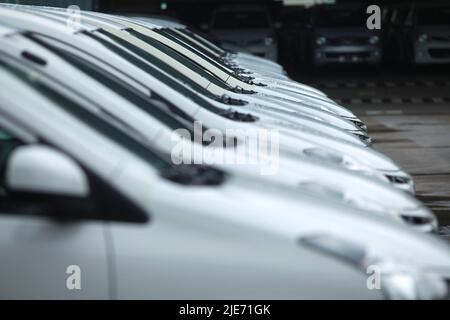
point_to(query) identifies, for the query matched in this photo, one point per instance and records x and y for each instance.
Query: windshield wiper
(230, 101)
(237, 116)
(194, 175)
(238, 89)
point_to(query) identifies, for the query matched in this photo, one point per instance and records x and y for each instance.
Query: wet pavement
(409, 120)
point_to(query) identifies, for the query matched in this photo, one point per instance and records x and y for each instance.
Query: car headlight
(403, 281)
(268, 41)
(321, 41)
(374, 40)
(422, 38)
(398, 281)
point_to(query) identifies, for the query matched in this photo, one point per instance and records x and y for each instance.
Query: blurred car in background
(245, 28)
(426, 35)
(339, 35)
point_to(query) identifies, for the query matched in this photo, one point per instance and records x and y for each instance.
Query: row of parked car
(91, 110)
(415, 33)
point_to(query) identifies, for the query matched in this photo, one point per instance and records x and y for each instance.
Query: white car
(157, 127)
(302, 115)
(185, 45)
(310, 146)
(216, 78)
(217, 241)
(247, 28)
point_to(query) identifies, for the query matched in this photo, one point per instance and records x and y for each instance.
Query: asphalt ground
(408, 116)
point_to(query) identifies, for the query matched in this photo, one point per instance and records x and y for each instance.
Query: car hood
(280, 211)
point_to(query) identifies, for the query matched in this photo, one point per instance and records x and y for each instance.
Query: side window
(7, 144)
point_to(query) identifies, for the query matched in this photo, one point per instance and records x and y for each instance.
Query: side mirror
(42, 181)
(43, 170)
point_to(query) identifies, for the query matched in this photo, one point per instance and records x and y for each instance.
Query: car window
(241, 20)
(433, 16)
(94, 120)
(326, 17)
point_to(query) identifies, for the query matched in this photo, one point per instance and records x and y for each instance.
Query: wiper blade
(194, 175)
(238, 89)
(246, 79)
(237, 116)
(230, 101)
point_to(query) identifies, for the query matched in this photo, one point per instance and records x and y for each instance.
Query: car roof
(63, 15)
(159, 21)
(25, 15)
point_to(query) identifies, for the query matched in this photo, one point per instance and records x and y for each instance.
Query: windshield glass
(94, 121)
(165, 76)
(332, 17)
(181, 59)
(204, 41)
(433, 16)
(170, 116)
(241, 20)
(193, 47)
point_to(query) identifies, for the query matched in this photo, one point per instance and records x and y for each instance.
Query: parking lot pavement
(409, 121)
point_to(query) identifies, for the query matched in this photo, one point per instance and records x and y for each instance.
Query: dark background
(292, 35)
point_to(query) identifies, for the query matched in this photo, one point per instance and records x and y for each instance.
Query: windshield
(204, 41)
(340, 18)
(193, 47)
(94, 121)
(166, 113)
(181, 59)
(433, 16)
(165, 76)
(241, 20)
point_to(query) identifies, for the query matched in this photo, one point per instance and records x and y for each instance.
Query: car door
(42, 258)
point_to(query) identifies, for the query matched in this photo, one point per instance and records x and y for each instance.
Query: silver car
(256, 33)
(427, 34)
(340, 35)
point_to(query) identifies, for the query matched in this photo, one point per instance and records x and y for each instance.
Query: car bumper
(347, 54)
(432, 53)
(420, 219)
(401, 180)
